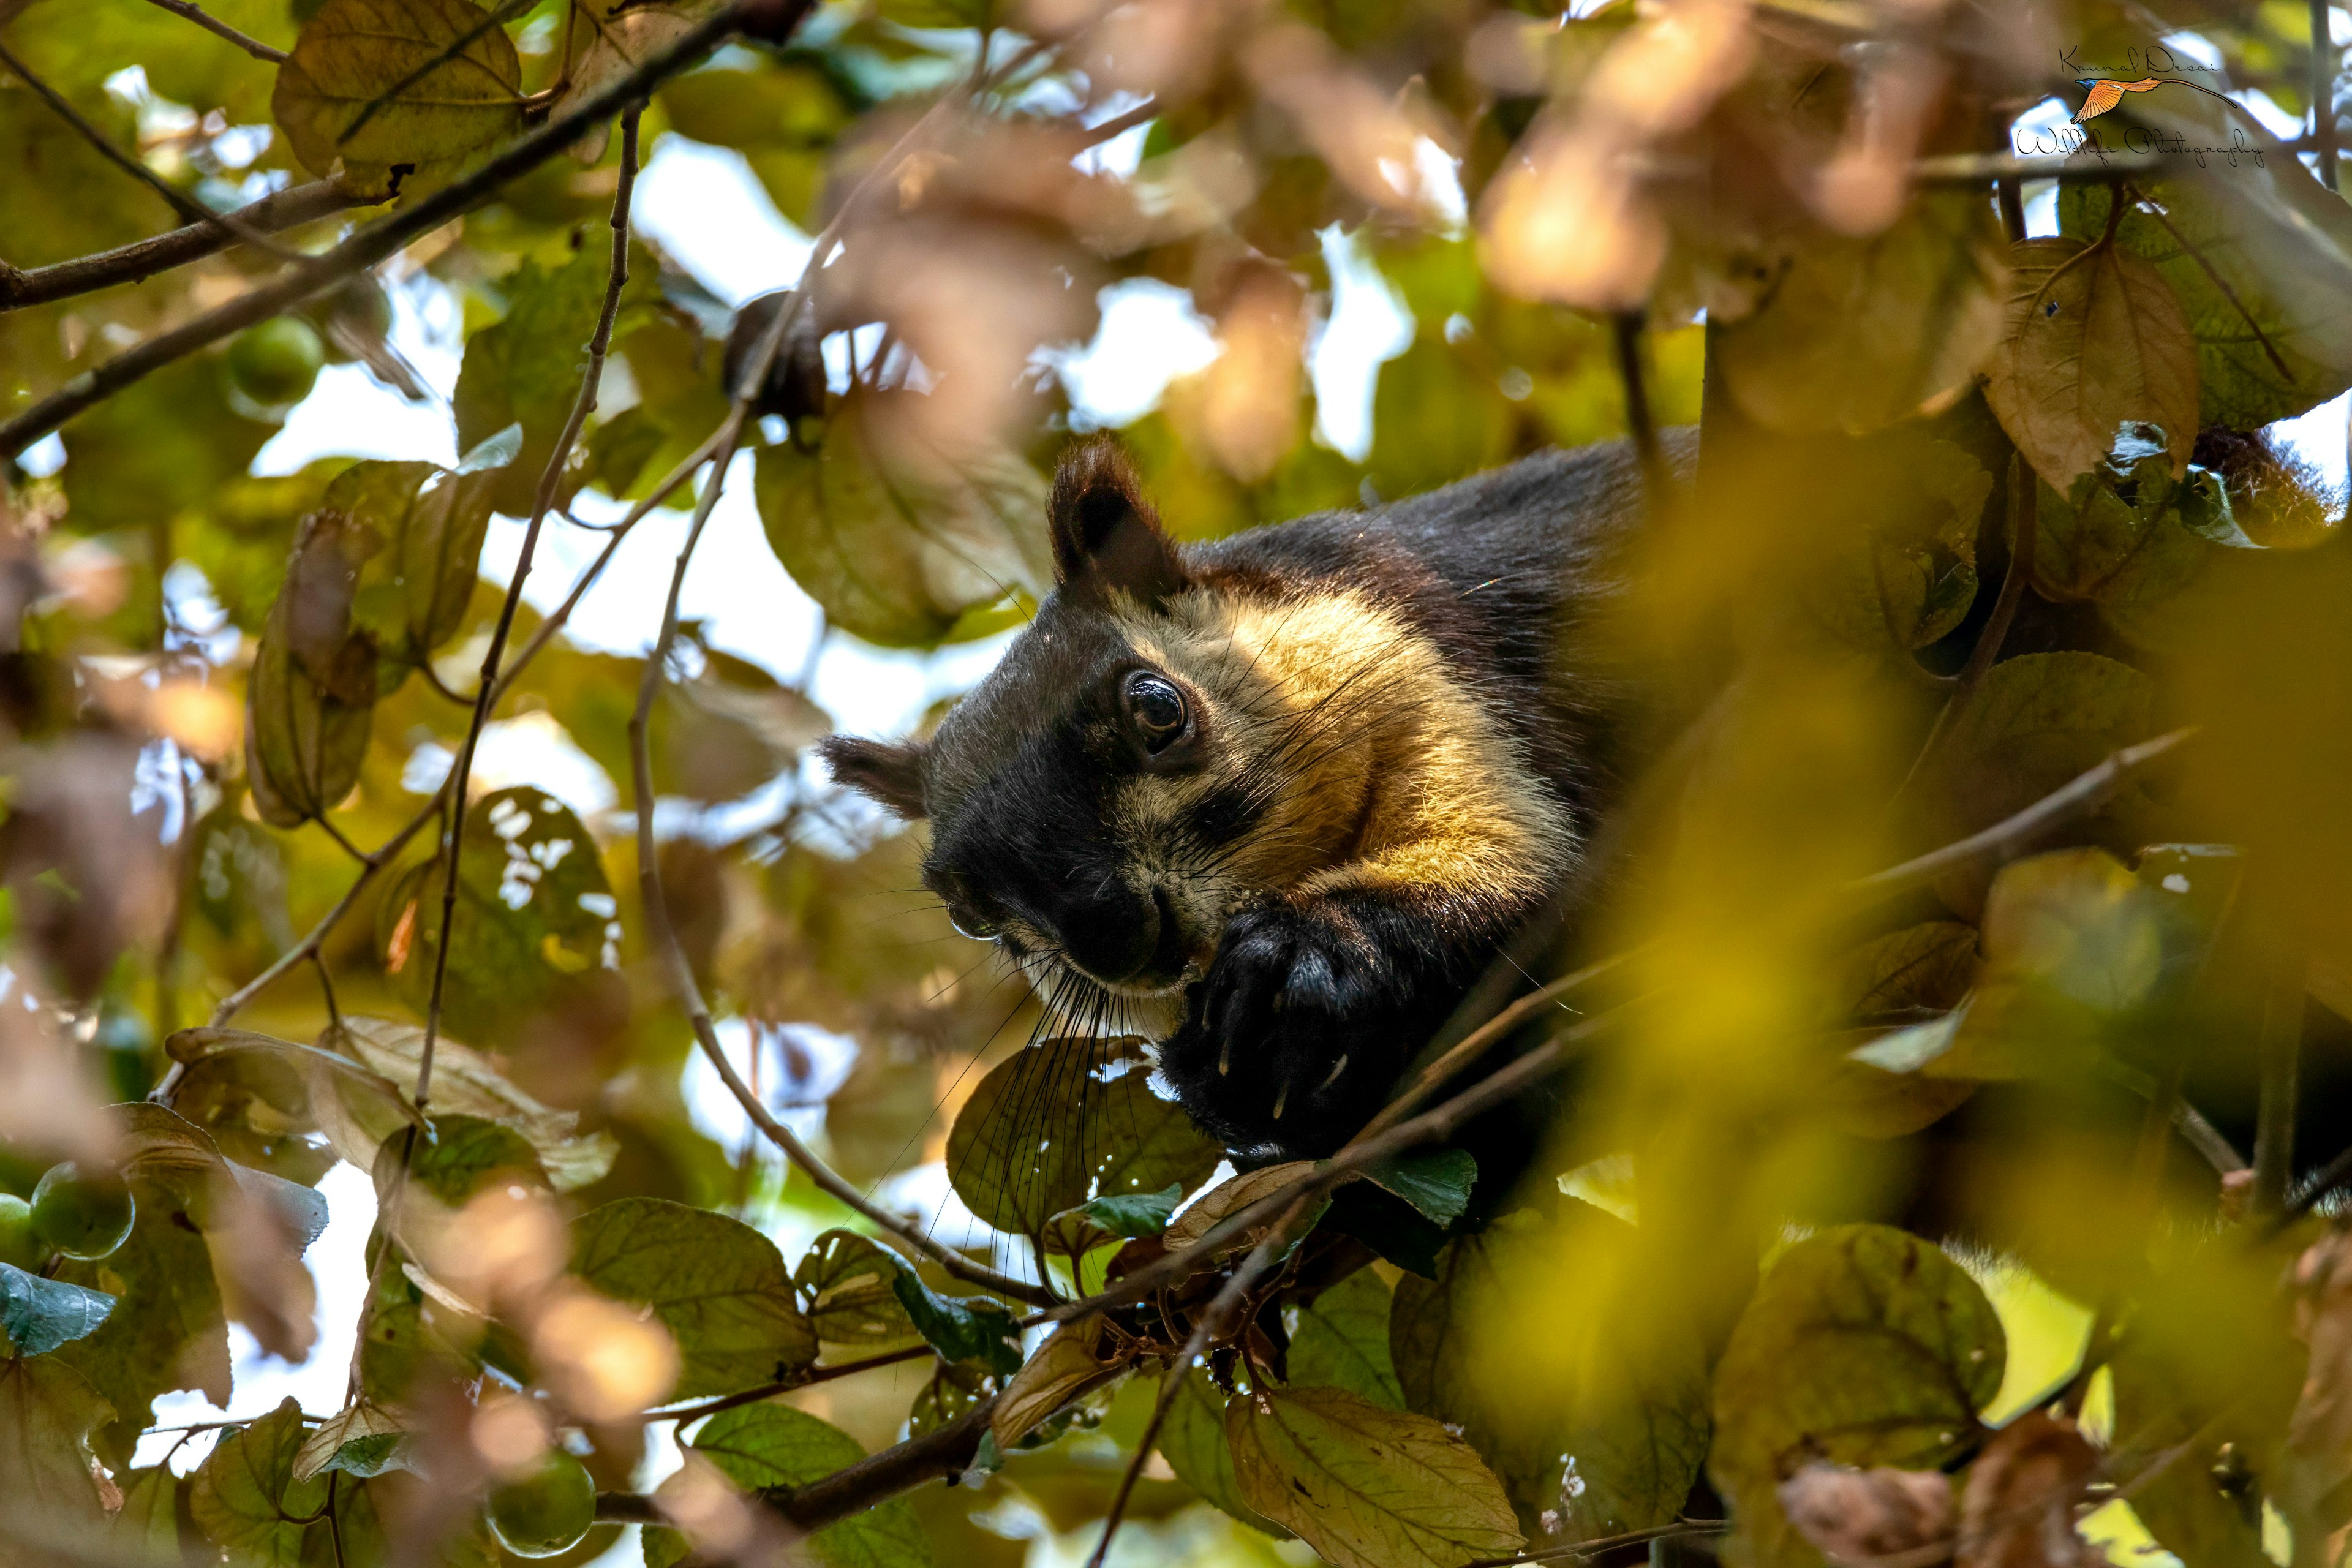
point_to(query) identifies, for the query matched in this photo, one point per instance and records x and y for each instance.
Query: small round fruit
(546, 1511)
(275, 363)
(81, 1214)
(18, 1245)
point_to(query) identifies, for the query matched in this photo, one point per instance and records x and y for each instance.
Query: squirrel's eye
(1156, 707)
(975, 926)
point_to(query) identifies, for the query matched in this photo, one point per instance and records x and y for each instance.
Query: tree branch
(550, 478)
(186, 205)
(280, 210)
(936, 1455)
(316, 274)
(219, 29)
(2084, 792)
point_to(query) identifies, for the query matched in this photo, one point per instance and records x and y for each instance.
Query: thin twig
(550, 478)
(664, 938)
(186, 205)
(815, 1375)
(1679, 1529)
(279, 210)
(238, 1000)
(380, 239)
(1626, 330)
(2323, 89)
(2281, 1046)
(2082, 793)
(219, 29)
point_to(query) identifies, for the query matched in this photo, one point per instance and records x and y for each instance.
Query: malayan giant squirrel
(1279, 800)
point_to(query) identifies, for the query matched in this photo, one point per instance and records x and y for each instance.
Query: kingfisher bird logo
(2102, 93)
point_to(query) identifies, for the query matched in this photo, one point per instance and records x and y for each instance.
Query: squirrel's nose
(1112, 934)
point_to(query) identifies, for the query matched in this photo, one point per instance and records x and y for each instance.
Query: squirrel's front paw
(1290, 1039)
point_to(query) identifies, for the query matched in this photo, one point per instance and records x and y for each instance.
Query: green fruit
(18, 1245)
(547, 1510)
(275, 363)
(81, 1214)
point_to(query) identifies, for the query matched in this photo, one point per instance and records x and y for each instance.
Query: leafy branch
(218, 29)
(381, 239)
(550, 478)
(280, 210)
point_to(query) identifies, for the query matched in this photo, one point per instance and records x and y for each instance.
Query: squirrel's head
(1136, 767)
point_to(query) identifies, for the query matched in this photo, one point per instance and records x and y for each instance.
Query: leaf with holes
(2093, 342)
(849, 1284)
(1065, 1123)
(1585, 1393)
(1367, 1488)
(1862, 1346)
(393, 90)
(716, 1284)
(537, 924)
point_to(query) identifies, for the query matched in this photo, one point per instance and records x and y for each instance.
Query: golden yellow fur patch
(1378, 765)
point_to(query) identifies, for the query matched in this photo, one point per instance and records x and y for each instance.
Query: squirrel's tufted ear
(1106, 535)
(890, 773)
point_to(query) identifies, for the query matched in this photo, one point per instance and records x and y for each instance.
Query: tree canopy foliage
(1954, 1063)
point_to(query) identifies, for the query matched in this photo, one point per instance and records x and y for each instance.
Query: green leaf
(1585, 1394)
(1017, 1154)
(246, 1500)
(716, 1284)
(1860, 333)
(1340, 1339)
(894, 537)
(1438, 1184)
(536, 922)
(2122, 541)
(40, 1314)
(257, 1088)
(526, 369)
(1862, 1346)
(2093, 342)
(961, 1328)
(2255, 255)
(2072, 941)
(48, 1412)
(1135, 1214)
(167, 1330)
(148, 1525)
(1192, 1441)
(758, 1446)
(363, 1440)
(395, 90)
(1367, 1488)
(462, 1153)
(849, 1283)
